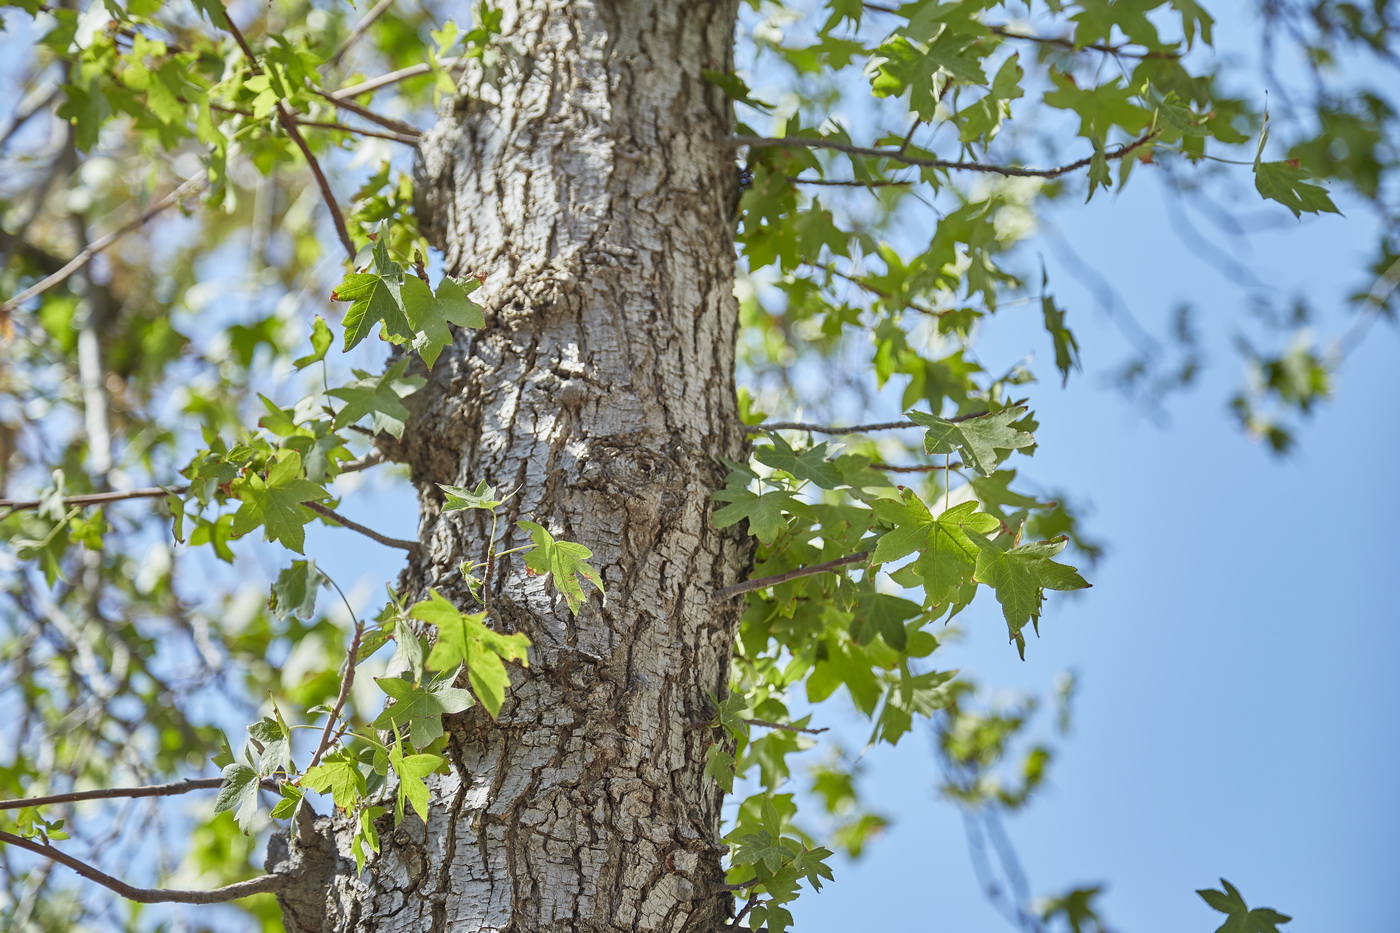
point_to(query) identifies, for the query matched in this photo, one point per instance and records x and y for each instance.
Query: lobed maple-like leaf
(275, 502)
(564, 561)
(978, 439)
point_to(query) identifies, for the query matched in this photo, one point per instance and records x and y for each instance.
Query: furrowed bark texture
(594, 186)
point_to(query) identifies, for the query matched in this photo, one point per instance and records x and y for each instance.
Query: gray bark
(594, 184)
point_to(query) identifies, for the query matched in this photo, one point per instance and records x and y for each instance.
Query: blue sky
(1235, 693)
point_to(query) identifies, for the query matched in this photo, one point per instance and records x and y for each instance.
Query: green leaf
(1240, 918)
(466, 639)
(412, 771)
(275, 503)
(420, 708)
(976, 439)
(1020, 575)
(764, 512)
(321, 339)
(564, 561)
(374, 301)
(482, 497)
(378, 397)
(429, 314)
(294, 593)
(339, 775)
(239, 794)
(719, 766)
(276, 741)
(1285, 183)
(811, 465)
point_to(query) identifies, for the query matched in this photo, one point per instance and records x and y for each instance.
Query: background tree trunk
(594, 186)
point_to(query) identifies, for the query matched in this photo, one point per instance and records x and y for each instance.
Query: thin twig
(156, 492)
(289, 123)
(881, 293)
(847, 182)
(359, 30)
(172, 789)
(370, 533)
(1010, 171)
(384, 80)
(918, 468)
(1069, 44)
(189, 186)
(262, 885)
(352, 657)
(748, 586)
(848, 429)
(784, 726)
(389, 123)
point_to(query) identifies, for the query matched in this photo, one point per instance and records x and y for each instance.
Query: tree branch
(156, 492)
(918, 468)
(261, 885)
(847, 182)
(737, 589)
(784, 726)
(189, 186)
(388, 123)
(172, 789)
(393, 77)
(370, 533)
(1010, 171)
(848, 429)
(351, 659)
(359, 30)
(1069, 44)
(289, 123)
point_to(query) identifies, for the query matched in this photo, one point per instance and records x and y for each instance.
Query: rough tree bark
(595, 186)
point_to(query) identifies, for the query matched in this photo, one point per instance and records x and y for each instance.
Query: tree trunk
(594, 186)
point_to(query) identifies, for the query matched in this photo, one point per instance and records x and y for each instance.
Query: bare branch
(359, 30)
(784, 726)
(194, 183)
(917, 468)
(393, 77)
(370, 533)
(1010, 171)
(351, 659)
(881, 293)
(1069, 45)
(289, 123)
(737, 589)
(172, 789)
(848, 429)
(157, 492)
(100, 498)
(848, 182)
(389, 123)
(261, 885)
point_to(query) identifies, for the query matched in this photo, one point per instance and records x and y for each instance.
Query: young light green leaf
(976, 439)
(239, 794)
(1020, 576)
(373, 302)
(429, 314)
(764, 512)
(275, 502)
(482, 497)
(466, 639)
(379, 397)
(339, 775)
(412, 770)
(564, 561)
(420, 708)
(294, 593)
(811, 465)
(321, 340)
(276, 741)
